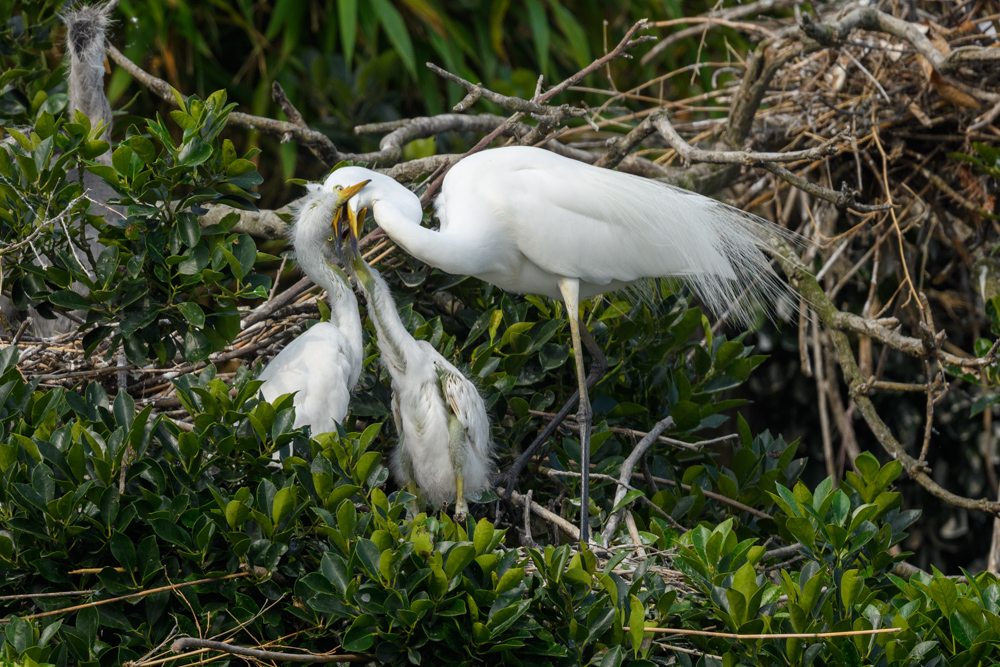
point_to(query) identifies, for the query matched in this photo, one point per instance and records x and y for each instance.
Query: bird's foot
(461, 511)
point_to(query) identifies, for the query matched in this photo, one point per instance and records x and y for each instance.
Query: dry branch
(186, 643)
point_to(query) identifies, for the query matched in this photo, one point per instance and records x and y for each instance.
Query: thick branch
(262, 224)
(562, 112)
(307, 137)
(869, 18)
(843, 199)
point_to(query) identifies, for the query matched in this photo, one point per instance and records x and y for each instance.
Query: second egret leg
(570, 288)
(457, 444)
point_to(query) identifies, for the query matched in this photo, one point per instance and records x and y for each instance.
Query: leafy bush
(98, 496)
(158, 270)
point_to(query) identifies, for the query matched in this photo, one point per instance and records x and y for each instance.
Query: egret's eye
(338, 188)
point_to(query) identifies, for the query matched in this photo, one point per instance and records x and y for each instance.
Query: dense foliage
(324, 557)
(121, 506)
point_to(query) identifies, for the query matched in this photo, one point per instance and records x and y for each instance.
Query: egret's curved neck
(310, 240)
(402, 223)
(447, 250)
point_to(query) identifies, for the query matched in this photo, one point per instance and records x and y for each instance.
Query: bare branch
(628, 466)
(186, 643)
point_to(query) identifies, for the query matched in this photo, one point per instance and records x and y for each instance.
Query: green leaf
(359, 638)
(69, 299)
(460, 556)
(510, 580)
(171, 532)
(193, 313)
(335, 570)
(284, 503)
(637, 623)
(245, 251)
(539, 23)
(483, 536)
(850, 586)
(632, 494)
(395, 29)
(347, 14)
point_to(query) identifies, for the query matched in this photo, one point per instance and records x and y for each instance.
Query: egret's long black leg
(570, 288)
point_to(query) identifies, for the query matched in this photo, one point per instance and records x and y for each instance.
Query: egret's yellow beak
(352, 190)
(343, 196)
(355, 223)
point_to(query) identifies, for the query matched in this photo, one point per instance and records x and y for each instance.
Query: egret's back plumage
(610, 229)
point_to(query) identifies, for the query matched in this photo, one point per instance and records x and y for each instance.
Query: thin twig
(185, 643)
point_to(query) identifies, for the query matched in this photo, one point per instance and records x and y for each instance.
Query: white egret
(444, 444)
(322, 365)
(530, 221)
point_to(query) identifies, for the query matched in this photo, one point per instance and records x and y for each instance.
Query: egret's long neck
(449, 251)
(393, 338)
(310, 241)
(401, 221)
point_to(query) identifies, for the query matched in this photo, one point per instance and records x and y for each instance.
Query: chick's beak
(337, 223)
(355, 222)
(339, 217)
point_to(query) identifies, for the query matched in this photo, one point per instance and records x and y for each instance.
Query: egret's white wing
(464, 401)
(317, 365)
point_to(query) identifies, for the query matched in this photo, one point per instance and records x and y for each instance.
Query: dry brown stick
(781, 635)
(20, 330)
(662, 124)
(61, 594)
(322, 148)
(620, 148)
(562, 524)
(713, 495)
(551, 472)
(730, 13)
(627, 469)
(693, 446)
(561, 113)
(619, 51)
(313, 658)
(767, 161)
(870, 18)
(130, 596)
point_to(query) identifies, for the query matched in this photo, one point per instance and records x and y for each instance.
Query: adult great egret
(444, 434)
(530, 221)
(323, 364)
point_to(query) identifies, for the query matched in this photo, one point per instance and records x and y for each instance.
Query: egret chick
(444, 444)
(530, 221)
(322, 365)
